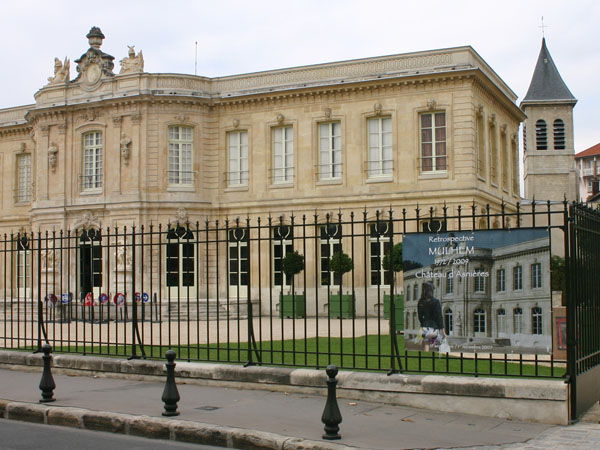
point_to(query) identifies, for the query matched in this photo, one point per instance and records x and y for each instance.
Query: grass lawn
(371, 353)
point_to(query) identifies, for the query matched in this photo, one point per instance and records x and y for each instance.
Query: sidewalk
(365, 425)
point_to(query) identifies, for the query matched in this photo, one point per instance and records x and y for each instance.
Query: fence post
(170, 395)
(47, 384)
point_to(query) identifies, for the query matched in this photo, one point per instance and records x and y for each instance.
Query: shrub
(340, 263)
(292, 263)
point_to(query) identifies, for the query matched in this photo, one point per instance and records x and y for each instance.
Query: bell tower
(548, 146)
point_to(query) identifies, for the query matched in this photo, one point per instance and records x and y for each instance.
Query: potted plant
(341, 306)
(292, 305)
(393, 261)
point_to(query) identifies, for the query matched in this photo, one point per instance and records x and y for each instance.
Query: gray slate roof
(546, 83)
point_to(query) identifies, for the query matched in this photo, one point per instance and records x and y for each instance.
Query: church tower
(548, 134)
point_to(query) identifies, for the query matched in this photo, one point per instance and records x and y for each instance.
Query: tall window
(331, 242)
(283, 155)
(536, 320)
(449, 283)
(380, 147)
(515, 165)
(379, 245)
(23, 188)
(479, 321)
(180, 256)
(416, 292)
(90, 262)
(238, 257)
(92, 160)
(500, 280)
(237, 144)
(330, 151)
(536, 275)
(559, 135)
(180, 156)
(23, 266)
(517, 321)
(433, 142)
(480, 145)
(408, 293)
(501, 320)
(517, 278)
(282, 245)
(479, 280)
(493, 154)
(448, 321)
(541, 135)
(504, 160)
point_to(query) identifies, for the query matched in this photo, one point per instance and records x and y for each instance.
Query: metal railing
(216, 291)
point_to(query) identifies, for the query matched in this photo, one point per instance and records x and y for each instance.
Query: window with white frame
(283, 154)
(330, 151)
(433, 142)
(282, 245)
(501, 320)
(379, 245)
(239, 268)
(536, 320)
(517, 278)
(92, 160)
(449, 283)
(23, 266)
(380, 162)
(448, 321)
(500, 280)
(23, 188)
(237, 151)
(479, 280)
(479, 321)
(536, 275)
(331, 242)
(181, 140)
(517, 321)
(180, 258)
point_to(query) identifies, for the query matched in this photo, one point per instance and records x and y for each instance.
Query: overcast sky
(247, 36)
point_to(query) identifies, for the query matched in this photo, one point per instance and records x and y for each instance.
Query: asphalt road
(31, 436)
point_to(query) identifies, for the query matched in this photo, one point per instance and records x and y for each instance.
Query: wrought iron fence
(220, 291)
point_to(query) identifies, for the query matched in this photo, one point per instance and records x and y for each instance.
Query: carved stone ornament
(52, 157)
(181, 216)
(182, 118)
(48, 260)
(133, 63)
(45, 129)
(125, 148)
(377, 107)
(327, 113)
(89, 115)
(87, 220)
(479, 110)
(62, 128)
(136, 118)
(94, 63)
(117, 120)
(122, 257)
(492, 119)
(22, 147)
(61, 72)
(503, 128)
(513, 137)
(431, 104)
(279, 118)
(236, 123)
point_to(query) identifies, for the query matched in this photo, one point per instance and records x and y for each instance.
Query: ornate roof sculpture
(547, 85)
(94, 63)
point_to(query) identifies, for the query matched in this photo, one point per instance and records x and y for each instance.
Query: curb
(158, 428)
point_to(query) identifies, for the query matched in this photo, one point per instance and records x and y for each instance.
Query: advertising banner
(478, 291)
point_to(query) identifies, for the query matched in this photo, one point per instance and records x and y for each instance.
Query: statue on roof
(94, 64)
(133, 63)
(61, 71)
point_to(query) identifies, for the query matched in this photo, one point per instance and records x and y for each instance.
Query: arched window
(479, 321)
(180, 269)
(541, 135)
(536, 320)
(23, 266)
(559, 134)
(90, 262)
(448, 321)
(517, 321)
(501, 320)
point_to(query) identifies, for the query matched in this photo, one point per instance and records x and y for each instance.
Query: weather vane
(542, 27)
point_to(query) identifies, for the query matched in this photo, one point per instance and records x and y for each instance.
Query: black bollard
(331, 414)
(170, 395)
(47, 384)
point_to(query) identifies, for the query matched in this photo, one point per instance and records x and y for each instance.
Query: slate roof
(546, 83)
(592, 151)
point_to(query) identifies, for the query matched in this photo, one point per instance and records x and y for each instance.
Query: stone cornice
(16, 130)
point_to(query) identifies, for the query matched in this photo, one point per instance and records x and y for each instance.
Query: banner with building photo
(478, 291)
